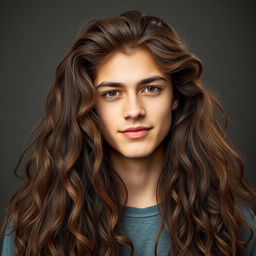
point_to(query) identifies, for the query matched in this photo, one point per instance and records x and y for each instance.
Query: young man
(134, 94)
(186, 193)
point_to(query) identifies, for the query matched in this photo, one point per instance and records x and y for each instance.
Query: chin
(135, 156)
(136, 153)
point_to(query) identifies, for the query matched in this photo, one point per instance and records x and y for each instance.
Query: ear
(175, 103)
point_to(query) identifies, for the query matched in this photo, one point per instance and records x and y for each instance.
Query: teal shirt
(141, 225)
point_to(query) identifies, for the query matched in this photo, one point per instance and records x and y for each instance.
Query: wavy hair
(70, 204)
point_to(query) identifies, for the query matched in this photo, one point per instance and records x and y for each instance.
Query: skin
(137, 161)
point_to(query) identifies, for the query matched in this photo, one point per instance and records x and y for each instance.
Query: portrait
(131, 155)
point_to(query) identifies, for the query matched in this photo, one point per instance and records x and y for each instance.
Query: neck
(140, 176)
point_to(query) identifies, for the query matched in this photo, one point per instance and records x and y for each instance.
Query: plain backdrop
(35, 35)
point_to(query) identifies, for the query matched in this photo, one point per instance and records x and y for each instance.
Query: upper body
(141, 225)
(127, 112)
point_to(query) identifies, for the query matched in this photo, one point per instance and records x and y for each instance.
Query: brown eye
(153, 89)
(111, 93)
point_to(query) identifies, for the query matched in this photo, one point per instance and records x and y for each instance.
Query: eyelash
(104, 94)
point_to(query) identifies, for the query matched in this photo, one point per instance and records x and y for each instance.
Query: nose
(133, 108)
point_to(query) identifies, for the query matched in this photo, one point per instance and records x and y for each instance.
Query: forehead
(129, 68)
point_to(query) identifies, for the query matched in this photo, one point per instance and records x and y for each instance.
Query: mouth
(136, 134)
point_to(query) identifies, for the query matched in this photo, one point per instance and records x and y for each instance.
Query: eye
(153, 87)
(112, 94)
(109, 93)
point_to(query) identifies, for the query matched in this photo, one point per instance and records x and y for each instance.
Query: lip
(138, 128)
(136, 134)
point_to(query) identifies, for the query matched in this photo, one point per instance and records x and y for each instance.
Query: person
(129, 157)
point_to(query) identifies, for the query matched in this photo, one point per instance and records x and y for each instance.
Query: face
(132, 92)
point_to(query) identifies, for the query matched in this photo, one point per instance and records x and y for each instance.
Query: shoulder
(248, 214)
(8, 242)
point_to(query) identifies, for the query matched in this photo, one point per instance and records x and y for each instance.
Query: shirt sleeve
(253, 221)
(8, 248)
(251, 218)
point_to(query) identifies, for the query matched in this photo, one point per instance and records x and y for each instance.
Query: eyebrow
(141, 82)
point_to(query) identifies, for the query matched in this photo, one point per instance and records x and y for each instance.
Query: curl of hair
(70, 202)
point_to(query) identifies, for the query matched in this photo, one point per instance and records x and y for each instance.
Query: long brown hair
(70, 202)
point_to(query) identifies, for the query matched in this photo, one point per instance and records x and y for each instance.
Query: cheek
(160, 110)
(107, 116)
